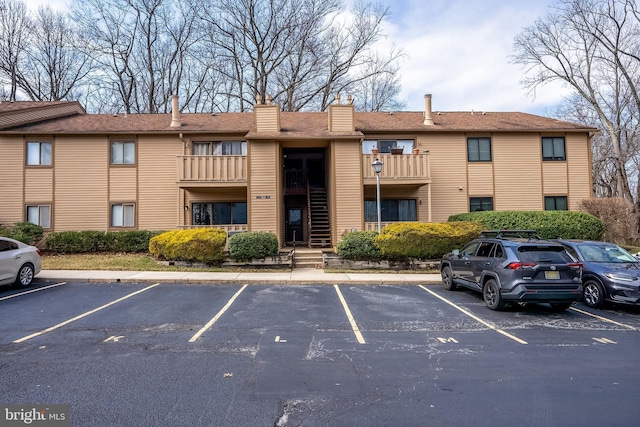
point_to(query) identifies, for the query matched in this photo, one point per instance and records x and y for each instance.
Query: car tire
(25, 276)
(447, 279)
(491, 295)
(560, 306)
(593, 294)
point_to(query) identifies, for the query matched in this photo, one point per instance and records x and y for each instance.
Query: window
(553, 148)
(480, 204)
(39, 215)
(390, 210)
(223, 148)
(123, 215)
(39, 153)
(555, 203)
(385, 145)
(479, 149)
(485, 249)
(123, 152)
(219, 213)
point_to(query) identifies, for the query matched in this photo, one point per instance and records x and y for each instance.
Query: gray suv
(514, 266)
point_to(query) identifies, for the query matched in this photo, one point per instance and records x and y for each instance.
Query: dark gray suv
(514, 266)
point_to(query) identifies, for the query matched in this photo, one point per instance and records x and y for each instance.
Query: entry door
(294, 225)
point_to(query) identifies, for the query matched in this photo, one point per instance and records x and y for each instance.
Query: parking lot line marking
(217, 316)
(476, 318)
(354, 326)
(66, 322)
(604, 319)
(32, 290)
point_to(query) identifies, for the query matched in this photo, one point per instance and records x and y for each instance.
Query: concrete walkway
(297, 276)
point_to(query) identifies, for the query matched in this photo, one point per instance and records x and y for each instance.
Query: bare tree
(14, 28)
(592, 46)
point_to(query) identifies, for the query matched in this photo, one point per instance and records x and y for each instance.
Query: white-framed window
(39, 215)
(38, 153)
(123, 215)
(221, 148)
(123, 152)
(386, 145)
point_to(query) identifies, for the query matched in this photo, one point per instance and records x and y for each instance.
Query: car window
(498, 252)
(485, 249)
(572, 252)
(5, 245)
(470, 249)
(605, 253)
(543, 254)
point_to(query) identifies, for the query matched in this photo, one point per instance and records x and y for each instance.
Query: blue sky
(458, 50)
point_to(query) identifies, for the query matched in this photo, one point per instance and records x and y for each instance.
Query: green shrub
(424, 240)
(204, 245)
(359, 245)
(547, 224)
(253, 245)
(24, 232)
(70, 242)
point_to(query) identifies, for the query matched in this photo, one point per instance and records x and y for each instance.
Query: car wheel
(560, 306)
(593, 294)
(447, 279)
(491, 294)
(25, 276)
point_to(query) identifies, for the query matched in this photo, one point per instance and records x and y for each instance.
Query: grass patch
(113, 262)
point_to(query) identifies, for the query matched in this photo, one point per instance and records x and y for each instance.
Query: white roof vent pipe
(428, 119)
(175, 113)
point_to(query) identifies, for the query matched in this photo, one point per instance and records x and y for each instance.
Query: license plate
(551, 275)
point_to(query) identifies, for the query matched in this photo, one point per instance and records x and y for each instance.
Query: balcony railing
(211, 169)
(398, 168)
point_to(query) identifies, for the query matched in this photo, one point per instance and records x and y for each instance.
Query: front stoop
(308, 258)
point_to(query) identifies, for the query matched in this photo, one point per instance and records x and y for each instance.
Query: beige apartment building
(305, 176)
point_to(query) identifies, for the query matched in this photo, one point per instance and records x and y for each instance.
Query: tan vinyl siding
(341, 118)
(267, 118)
(38, 184)
(578, 165)
(480, 177)
(157, 189)
(517, 159)
(122, 183)
(264, 192)
(448, 173)
(348, 198)
(554, 178)
(80, 173)
(11, 181)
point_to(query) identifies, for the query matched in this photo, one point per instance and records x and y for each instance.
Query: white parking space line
(217, 316)
(66, 322)
(32, 291)
(354, 326)
(604, 319)
(476, 318)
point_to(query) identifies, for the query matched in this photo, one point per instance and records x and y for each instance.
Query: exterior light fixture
(377, 168)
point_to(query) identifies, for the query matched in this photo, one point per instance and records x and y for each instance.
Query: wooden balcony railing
(210, 169)
(398, 168)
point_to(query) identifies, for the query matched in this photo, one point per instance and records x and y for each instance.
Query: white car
(19, 262)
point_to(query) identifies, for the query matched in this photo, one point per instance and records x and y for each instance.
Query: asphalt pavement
(296, 276)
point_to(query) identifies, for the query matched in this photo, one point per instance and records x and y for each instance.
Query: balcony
(208, 171)
(398, 169)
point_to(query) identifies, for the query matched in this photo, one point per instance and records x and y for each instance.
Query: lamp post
(377, 168)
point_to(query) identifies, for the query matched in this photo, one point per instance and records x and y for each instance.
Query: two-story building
(305, 176)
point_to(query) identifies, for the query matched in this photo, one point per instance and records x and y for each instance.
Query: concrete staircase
(308, 258)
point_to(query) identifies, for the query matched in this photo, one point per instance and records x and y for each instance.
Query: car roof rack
(506, 234)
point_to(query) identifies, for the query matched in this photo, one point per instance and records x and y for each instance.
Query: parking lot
(243, 354)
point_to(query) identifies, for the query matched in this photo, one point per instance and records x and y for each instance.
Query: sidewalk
(297, 276)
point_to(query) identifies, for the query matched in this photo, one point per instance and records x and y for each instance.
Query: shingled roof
(294, 124)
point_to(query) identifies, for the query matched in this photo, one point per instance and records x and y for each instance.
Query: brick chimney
(428, 119)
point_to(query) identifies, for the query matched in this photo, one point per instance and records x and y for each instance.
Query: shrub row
(204, 245)
(404, 240)
(253, 245)
(548, 224)
(73, 242)
(25, 232)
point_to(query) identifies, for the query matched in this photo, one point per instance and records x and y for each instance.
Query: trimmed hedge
(204, 245)
(24, 232)
(547, 224)
(359, 245)
(253, 245)
(74, 242)
(424, 240)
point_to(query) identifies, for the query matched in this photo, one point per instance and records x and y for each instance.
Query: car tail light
(521, 265)
(39, 253)
(575, 265)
